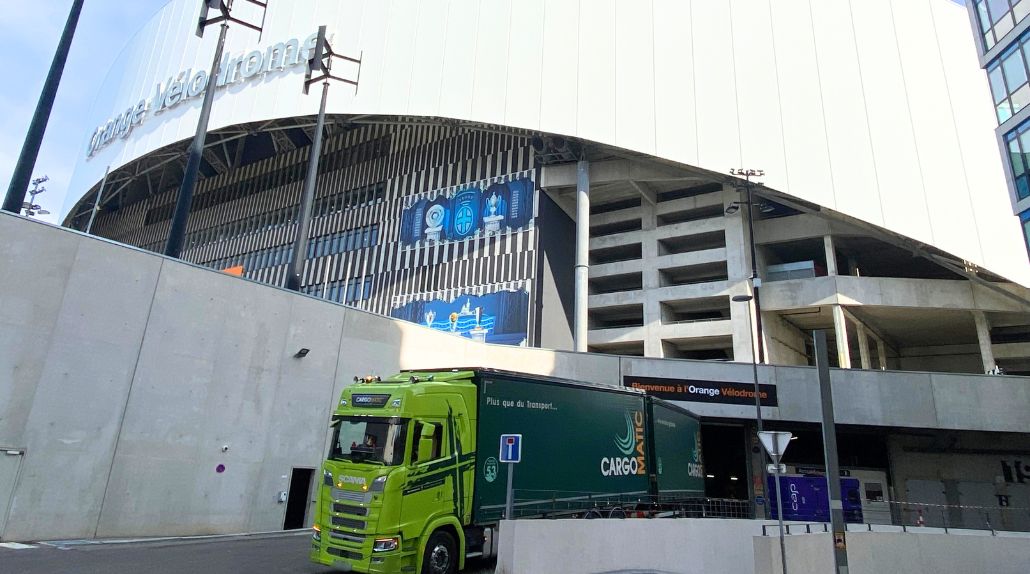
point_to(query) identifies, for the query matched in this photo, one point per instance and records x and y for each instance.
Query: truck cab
(396, 490)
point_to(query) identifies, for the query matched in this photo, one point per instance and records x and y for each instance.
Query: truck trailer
(414, 482)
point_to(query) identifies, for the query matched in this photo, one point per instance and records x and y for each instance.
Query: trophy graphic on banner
(492, 220)
(478, 333)
(434, 222)
(429, 318)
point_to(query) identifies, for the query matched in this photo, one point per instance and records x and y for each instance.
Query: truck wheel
(441, 556)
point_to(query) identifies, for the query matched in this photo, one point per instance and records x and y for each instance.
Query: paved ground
(257, 554)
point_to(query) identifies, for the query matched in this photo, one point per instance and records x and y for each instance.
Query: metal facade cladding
(876, 110)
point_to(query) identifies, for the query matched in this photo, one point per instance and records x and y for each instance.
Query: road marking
(16, 546)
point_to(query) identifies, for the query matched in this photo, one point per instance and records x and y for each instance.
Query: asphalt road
(255, 554)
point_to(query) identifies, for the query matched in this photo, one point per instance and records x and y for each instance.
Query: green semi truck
(413, 481)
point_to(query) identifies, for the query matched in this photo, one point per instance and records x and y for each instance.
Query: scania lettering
(412, 482)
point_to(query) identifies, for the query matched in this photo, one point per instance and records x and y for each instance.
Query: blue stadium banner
(412, 222)
(465, 210)
(520, 208)
(470, 211)
(501, 317)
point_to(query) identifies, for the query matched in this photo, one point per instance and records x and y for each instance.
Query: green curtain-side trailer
(414, 482)
(579, 443)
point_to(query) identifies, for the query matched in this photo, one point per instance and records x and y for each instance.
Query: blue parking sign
(511, 448)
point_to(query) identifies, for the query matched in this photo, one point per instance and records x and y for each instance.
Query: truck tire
(441, 555)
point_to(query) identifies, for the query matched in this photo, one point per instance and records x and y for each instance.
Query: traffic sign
(759, 500)
(775, 443)
(511, 448)
(774, 468)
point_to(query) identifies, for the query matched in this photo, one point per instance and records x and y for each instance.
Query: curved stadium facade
(448, 176)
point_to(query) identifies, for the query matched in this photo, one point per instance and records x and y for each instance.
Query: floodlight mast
(37, 127)
(320, 60)
(184, 200)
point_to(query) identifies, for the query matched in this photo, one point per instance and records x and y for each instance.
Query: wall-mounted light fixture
(301, 353)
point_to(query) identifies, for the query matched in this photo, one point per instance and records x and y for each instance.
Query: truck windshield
(369, 439)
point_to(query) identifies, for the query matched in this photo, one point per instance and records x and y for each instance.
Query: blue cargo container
(807, 498)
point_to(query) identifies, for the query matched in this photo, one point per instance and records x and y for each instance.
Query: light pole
(184, 199)
(754, 372)
(37, 127)
(756, 282)
(31, 208)
(321, 60)
(754, 362)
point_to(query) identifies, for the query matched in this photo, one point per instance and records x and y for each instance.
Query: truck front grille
(348, 509)
(344, 553)
(354, 496)
(352, 538)
(348, 522)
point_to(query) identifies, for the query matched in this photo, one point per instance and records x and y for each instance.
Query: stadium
(487, 147)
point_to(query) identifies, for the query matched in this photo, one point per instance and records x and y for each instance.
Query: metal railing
(899, 516)
(528, 503)
(917, 514)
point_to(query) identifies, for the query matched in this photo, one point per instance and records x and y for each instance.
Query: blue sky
(29, 32)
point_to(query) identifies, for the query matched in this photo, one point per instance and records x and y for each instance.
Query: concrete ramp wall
(894, 552)
(682, 546)
(123, 374)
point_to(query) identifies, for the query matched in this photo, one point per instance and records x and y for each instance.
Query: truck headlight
(378, 484)
(317, 536)
(385, 544)
(327, 477)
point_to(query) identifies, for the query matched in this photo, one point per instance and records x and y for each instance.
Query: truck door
(428, 491)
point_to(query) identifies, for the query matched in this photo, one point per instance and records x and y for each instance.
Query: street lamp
(320, 61)
(754, 370)
(756, 282)
(754, 362)
(32, 208)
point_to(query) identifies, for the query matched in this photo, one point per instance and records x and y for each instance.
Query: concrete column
(582, 253)
(983, 334)
(881, 354)
(831, 257)
(863, 346)
(651, 281)
(738, 270)
(840, 328)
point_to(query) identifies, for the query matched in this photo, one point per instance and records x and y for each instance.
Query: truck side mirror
(425, 444)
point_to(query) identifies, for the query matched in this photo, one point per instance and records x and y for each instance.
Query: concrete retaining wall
(889, 553)
(123, 374)
(683, 546)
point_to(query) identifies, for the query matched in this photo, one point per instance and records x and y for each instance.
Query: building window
(999, 17)
(1018, 143)
(1008, 78)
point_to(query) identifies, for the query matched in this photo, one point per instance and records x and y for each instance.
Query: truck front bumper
(353, 560)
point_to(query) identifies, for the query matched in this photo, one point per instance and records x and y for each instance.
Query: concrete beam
(886, 292)
(831, 255)
(983, 336)
(616, 170)
(863, 346)
(840, 329)
(876, 333)
(645, 192)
